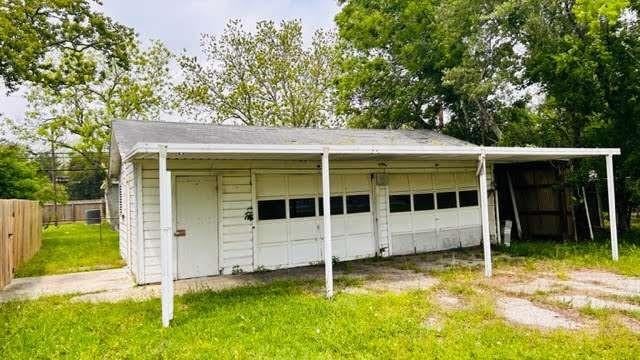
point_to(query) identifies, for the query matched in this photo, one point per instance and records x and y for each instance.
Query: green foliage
(79, 117)
(585, 57)
(85, 179)
(482, 61)
(408, 60)
(72, 248)
(264, 78)
(46, 42)
(21, 178)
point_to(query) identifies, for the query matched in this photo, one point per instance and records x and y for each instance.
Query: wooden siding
(128, 217)
(236, 234)
(151, 225)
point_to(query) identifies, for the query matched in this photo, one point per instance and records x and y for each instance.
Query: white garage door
(429, 212)
(289, 222)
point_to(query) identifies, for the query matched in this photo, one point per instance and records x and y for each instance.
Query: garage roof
(142, 139)
(128, 133)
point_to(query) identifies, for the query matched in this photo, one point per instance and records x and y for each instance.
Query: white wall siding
(151, 225)
(237, 235)
(123, 221)
(128, 220)
(236, 193)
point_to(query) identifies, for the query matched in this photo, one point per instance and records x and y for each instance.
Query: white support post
(166, 237)
(484, 211)
(613, 226)
(326, 217)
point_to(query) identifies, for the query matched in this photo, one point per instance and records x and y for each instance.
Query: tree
(408, 60)
(21, 178)
(79, 117)
(46, 42)
(85, 179)
(585, 55)
(264, 78)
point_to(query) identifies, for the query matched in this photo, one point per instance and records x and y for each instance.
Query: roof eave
(560, 153)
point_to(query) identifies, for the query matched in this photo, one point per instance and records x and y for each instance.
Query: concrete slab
(627, 285)
(583, 301)
(82, 282)
(524, 312)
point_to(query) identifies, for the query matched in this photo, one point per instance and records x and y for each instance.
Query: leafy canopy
(46, 42)
(20, 177)
(267, 77)
(79, 117)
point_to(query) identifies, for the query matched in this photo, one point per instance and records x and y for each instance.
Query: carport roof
(142, 139)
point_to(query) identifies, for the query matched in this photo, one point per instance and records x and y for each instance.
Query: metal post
(515, 206)
(586, 210)
(53, 183)
(497, 203)
(166, 237)
(484, 210)
(326, 204)
(613, 226)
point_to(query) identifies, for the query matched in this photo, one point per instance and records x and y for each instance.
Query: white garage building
(201, 200)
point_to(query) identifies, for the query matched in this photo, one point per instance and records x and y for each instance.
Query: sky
(179, 24)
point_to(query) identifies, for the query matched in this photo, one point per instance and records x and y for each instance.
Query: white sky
(179, 24)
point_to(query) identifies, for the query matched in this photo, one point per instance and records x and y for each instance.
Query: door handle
(180, 232)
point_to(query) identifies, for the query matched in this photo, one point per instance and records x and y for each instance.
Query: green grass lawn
(72, 248)
(593, 254)
(291, 319)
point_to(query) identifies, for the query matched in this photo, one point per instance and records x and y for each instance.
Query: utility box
(93, 216)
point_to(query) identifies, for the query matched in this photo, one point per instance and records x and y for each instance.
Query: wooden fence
(20, 235)
(71, 211)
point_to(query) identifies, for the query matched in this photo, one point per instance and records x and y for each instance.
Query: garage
(433, 211)
(289, 218)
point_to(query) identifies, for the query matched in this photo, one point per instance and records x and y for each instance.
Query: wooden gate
(20, 235)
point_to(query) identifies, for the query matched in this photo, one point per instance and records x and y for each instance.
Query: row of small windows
(428, 201)
(306, 207)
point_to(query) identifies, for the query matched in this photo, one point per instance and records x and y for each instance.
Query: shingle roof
(127, 133)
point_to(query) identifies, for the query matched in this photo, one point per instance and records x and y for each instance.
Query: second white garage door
(289, 222)
(429, 212)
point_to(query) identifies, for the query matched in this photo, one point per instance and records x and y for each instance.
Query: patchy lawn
(593, 254)
(73, 248)
(460, 315)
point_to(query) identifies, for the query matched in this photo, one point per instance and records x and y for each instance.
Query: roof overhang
(353, 152)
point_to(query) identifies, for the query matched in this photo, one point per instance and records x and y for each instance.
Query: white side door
(196, 230)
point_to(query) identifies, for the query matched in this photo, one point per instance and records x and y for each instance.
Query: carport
(482, 155)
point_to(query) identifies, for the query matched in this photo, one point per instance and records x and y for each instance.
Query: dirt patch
(434, 323)
(584, 301)
(631, 324)
(181, 287)
(524, 312)
(449, 302)
(395, 280)
(533, 287)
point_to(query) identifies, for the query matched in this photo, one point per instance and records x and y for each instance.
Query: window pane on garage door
(446, 200)
(271, 209)
(358, 204)
(302, 207)
(399, 203)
